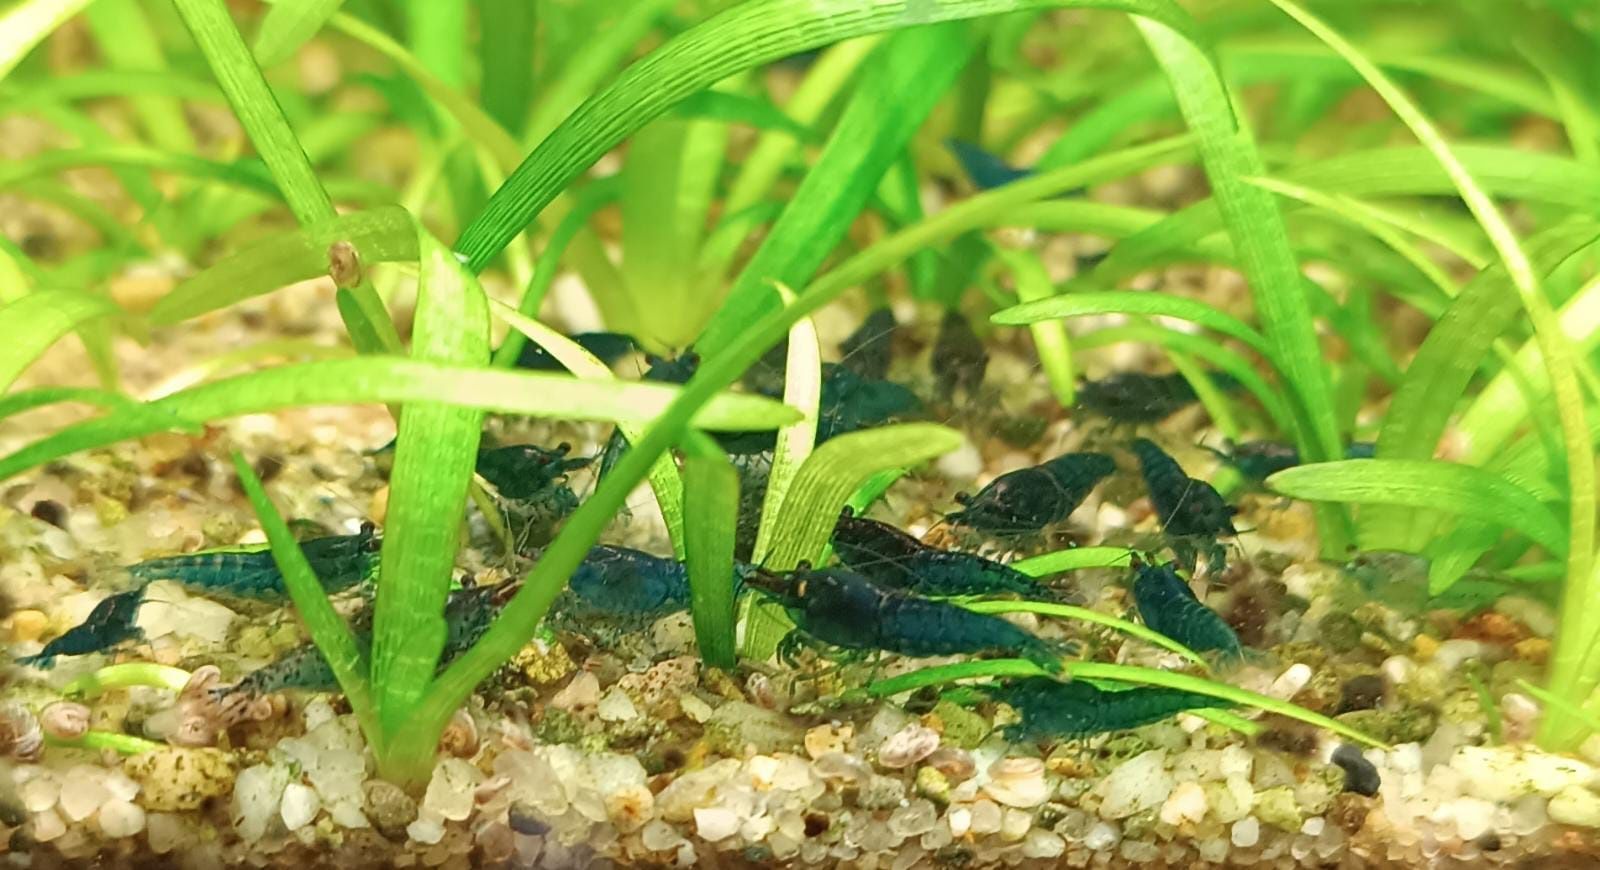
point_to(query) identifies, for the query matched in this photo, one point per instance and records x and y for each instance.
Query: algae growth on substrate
(779, 433)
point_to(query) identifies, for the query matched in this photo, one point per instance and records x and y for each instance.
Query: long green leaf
(288, 24)
(387, 380)
(1050, 339)
(1120, 673)
(435, 452)
(326, 627)
(378, 235)
(1080, 304)
(33, 323)
(128, 44)
(1460, 489)
(739, 38)
(711, 501)
(904, 77)
(1083, 614)
(1074, 559)
(835, 471)
(802, 390)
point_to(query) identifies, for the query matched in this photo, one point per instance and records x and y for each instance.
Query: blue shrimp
(340, 562)
(842, 609)
(526, 472)
(869, 349)
(1190, 510)
(110, 623)
(1168, 605)
(889, 557)
(1135, 397)
(1027, 500)
(1053, 709)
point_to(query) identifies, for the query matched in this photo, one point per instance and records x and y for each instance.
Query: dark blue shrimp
(754, 469)
(1259, 460)
(850, 403)
(868, 350)
(527, 472)
(613, 581)
(1052, 709)
(608, 347)
(340, 562)
(1135, 397)
(889, 557)
(1169, 606)
(843, 609)
(1027, 500)
(982, 166)
(467, 615)
(110, 623)
(959, 357)
(1187, 508)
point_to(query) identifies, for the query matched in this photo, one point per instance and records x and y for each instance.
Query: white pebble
(1187, 803)
(1014, 825)
(426, 830)
(120, 785)
(40, 793)
(256, 792)
(1290, 682)
(449, 794)
(47, 826)
(908, 746)
(1398, 670)
(1101, 837)
(299, 806)
(582, 691)
(1235, 761)
(1473, 817)
(1017, 782)
(1452, 653)
(616, 706)
(986, 818)
(1577, 806)
(715, 823)
(118, 818)
(1246, 832)
(1519, 709)
(960, 820)
(166, 832)
(1043, 844)
(658, 836)
(1313, 826)
(83, 790)
(1138, 784)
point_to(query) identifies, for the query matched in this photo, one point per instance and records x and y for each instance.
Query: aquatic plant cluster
(1228, 497)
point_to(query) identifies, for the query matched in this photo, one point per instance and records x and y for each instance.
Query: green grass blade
(128, 44)
(27, 23)
(1580, 611)
(1502, 406)
(435, 452)
(327, 629)
(905, 76)
(1050, 340)
(1075, 304)
(387, 380)
(1074, 559)
(379, 235)
(665, 481)
(825, 79)
(288, 24)
(1261, 240)
(1460, 489)
(747, 35)
(602, 52)
(1083, 614)
(711, 499)
(802, 391)
(37, 320)
(1120, 673)
(507, 48)
(832, 475)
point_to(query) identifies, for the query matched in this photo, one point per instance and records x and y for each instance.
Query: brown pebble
(1349, 811)
(1492, 627)
(47, 511)
(1534, 650)
(1362, 692)
(28, 625)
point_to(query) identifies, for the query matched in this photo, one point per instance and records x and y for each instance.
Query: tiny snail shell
(65, 720)
(193, 732)
(460, 737)
(20, 735)
(344, 265)
(201, 682)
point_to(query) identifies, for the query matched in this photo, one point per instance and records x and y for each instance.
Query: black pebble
(1361, 693)
(1359, 774)
(524, 822)
(47, 511)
